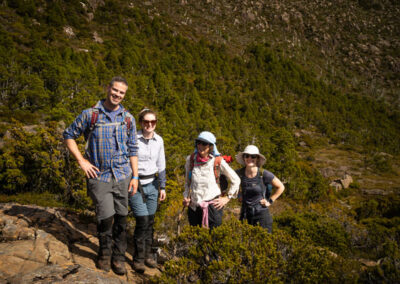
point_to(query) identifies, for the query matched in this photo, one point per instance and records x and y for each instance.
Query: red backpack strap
(128, 121)
(93, 119)
(217, 168)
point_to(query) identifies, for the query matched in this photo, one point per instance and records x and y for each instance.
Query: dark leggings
(214, 216)
(257, 216)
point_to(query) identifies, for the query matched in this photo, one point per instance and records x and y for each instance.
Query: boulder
(57, 274)
(346, 180)
(69, 31)
(52, 245)
(97, 38)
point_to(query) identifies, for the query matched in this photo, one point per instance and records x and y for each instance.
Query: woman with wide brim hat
(202, 192)
(257, 188)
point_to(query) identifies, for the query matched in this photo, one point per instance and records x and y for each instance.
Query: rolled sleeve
(234, 179)
(76, 128)
(162, 178)
(161, 165)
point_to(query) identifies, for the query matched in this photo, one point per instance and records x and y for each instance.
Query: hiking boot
(104, 263)
(150, 262)
(118, 267)
(139, 266)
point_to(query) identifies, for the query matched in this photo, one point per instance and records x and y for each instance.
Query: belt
(147, 176)
(213, 198)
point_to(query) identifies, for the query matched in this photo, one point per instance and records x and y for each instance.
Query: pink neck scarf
(201, 160)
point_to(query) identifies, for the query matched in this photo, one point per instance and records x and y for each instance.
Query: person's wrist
(137, 178)
(270, 201)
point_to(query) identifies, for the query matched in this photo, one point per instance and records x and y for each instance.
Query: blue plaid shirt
(110, 160)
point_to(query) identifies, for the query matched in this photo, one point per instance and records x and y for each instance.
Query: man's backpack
(221, 179)
(267, 186)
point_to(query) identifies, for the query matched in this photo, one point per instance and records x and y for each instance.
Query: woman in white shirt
(202, 192)
(152, 179)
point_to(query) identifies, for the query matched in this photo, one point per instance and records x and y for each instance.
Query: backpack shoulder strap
(192, 161)
(93, 119)
(127, 120)
(217, 168)
(241, 172)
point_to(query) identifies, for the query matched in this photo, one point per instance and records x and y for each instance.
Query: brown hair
(145, 111)
(118, 79)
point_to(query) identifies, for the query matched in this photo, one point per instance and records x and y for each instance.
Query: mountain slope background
(355, 40)
(283, 76)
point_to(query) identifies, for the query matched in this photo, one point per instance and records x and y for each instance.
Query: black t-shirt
(252, 189)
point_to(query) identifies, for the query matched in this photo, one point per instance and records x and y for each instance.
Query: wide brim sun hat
(208, 137)
(251, 150)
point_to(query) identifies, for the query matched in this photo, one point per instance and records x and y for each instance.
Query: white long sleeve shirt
(151, 158)
(203, 185)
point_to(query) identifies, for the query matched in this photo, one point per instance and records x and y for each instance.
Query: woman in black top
(256, 188)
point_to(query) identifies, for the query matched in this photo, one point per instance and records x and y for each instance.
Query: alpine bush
(240, 253)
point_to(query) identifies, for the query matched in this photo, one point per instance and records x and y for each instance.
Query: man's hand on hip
(89, 169)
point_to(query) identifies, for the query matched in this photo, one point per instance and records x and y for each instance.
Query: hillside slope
(354, 44)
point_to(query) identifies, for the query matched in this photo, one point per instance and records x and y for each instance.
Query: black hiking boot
(104, 262)
(139, 267)
(118, 266)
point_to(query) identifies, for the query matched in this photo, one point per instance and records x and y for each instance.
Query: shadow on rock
(64, 226)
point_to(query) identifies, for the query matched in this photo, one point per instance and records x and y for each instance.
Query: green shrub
(388, 268)
(240, 253)
(380, 206)
(380, 162)
(320, 230)
(36, 160)
(381, 233)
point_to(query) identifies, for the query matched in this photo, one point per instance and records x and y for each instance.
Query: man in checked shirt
(111, 167)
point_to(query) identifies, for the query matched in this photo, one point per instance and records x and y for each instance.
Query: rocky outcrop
(346, 180)
(97, 38)
(341, 183)
(50, 245)
(69, 32)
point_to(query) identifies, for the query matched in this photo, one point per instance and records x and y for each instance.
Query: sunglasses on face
(153, 122)
(203, 143)
(250, 156)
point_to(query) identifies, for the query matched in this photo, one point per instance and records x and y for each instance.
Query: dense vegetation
(48, 76)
